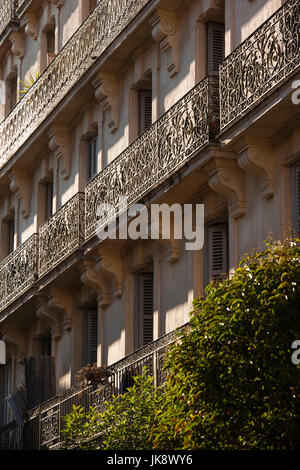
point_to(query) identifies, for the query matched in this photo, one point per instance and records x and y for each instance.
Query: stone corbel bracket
(61, 144)
(17, 44)
(107, 92)
(257, 157)
(110, 266)
(214, 205)
(31, 25)
(58, 3)
(17, 338)
(62, 301)
(55, 317)
(165, 31)
(19, 183)
(228, 179)
(95, 279)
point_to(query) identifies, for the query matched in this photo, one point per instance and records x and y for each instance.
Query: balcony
(18, 271)
(172, 140)
(43, 425)
(7, 13)
(61, 234)
(98, 31)
(260, 64)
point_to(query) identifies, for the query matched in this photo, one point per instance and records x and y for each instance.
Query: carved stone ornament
(31, 25)
(165, 31)
(227, 179)
(19, 183)
(107, 92)
(60, 144)
(257, 157)
(17, 338)
(17, 44)
(95, 279)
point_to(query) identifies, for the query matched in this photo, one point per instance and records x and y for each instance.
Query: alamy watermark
(158, 221)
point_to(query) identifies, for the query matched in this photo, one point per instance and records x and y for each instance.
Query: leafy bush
(128, 418)
(80, 426)
(125, 424)
(231, 381)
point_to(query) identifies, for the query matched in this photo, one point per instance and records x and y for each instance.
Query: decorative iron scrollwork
(260, 63)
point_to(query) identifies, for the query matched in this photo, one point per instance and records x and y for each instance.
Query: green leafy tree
(125, 424)
(231, 381)
(79, 427)
(128, 418)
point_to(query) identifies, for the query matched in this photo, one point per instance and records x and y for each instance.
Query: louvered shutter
(5, 390)
(49, 200)
(92, 331)
(145, 104)
(46, 346)
(11, 235)
(297, 196)
(215, 47)
(92, 157)
(146, 309)
(217, 251)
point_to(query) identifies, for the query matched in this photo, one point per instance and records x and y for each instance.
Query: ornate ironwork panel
(260, 63)
(61, 234)
(91, 39)
(18, 271)
(45, 423)
(7, 13)
(170, 141)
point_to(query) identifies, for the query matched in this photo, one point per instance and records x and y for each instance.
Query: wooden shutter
(145, 309)
(217, 251)
(11, 235)
(92, 157)
(49, 200)
(92, 335)
(145, 105)
(5, 390)
(215, 47)
(297, 199)
(46, 346)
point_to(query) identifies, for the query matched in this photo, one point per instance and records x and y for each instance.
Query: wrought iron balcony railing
(7, 13)
(61, 234)
(91, 39)
(18, 271)
(178, 135)
(43, 426)
(261, 63)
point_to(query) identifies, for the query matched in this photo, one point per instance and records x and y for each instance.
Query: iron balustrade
(43, 426)
(91, 39)
(18, 271)
(7, 14)
(260, 64)
(172, 140)
(61, 234)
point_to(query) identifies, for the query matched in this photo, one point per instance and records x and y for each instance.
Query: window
(11, 235)
(296, 198)
(91, 336)
(145, 110)
(144, 309)
(217, 239)
(215, 47)
(49, 200)
(50, 44)
(5, 390)
(92, 160)
(12, 87)
(45, 346)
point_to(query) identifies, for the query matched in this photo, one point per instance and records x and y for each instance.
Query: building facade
(156, 101)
